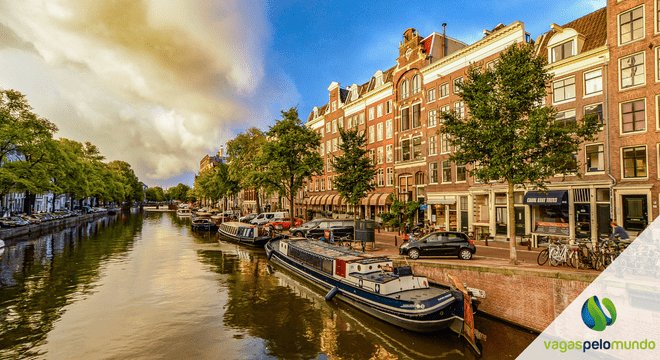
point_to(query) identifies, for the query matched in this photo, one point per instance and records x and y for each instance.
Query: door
(431, 245)
(453, 244)
(583, 221)
(501, 220)
(635, 212)
(603, 218)
(520, 221)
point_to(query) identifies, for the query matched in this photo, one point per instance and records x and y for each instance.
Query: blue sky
(161, 83)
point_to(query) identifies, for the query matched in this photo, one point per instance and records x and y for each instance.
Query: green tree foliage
(242, 152)
(355, 170)
(216, 183)
(179, 192)
(155, 194)
(290, 157)
(507, 135)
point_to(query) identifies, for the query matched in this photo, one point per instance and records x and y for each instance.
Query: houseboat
(183, 212)
(372, 284)
(203, 224)
(246, 234)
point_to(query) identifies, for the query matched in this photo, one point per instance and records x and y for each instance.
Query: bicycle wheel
(543, 257)
(554, 257)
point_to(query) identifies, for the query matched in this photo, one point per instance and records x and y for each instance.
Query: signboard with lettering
(552, 228)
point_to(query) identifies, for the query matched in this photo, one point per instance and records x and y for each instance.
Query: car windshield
(310, 224)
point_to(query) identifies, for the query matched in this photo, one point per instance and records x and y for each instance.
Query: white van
(267, 217)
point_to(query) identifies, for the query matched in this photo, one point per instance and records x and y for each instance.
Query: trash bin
(365, 230)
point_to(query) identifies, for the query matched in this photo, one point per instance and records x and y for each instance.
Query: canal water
(145, 286)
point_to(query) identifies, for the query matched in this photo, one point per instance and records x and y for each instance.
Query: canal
(145, 286)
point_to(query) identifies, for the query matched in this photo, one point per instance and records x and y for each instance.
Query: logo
(594, 316)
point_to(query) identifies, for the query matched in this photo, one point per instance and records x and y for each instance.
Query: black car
(316, 228)
(440, 243)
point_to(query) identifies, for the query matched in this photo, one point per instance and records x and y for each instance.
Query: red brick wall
(531, 299)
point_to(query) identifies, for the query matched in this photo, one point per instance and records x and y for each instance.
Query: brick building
(601, 65)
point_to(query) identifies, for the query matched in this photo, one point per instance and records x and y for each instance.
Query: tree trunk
(256, 196)
(511, 228)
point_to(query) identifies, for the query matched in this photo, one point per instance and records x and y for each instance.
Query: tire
(465, 254)
(553, 257)
(413, 254)
(543, 257)
(298, 234)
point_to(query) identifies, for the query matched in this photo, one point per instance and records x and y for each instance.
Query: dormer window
(562, 51)
(378, 79)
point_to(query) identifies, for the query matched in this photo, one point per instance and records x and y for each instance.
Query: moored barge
(246, 234)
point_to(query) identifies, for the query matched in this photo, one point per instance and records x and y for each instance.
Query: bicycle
(560, 255)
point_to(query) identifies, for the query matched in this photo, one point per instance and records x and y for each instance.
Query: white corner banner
(617, 316)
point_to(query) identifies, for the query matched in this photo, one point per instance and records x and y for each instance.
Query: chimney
(444, 41)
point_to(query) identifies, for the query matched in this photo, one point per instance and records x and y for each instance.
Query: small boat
(204, 225)
(372, 284)
(183, 212)
(2, 244)
(242, 233)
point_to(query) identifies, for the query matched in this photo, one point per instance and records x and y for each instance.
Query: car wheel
(465, 254)
(413, 254)
(298, 234)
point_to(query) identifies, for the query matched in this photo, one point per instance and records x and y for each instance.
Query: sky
(162, 83)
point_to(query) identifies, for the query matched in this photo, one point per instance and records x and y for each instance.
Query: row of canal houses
(606, 63)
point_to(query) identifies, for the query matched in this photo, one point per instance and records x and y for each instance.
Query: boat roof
(334, 252)
(238, 224)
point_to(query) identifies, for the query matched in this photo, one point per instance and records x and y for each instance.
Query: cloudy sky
(161, 83)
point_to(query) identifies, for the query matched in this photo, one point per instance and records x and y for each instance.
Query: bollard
(396, 243)
(529, 244)
(487, 239)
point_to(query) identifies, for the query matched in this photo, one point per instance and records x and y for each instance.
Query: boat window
(249, 233)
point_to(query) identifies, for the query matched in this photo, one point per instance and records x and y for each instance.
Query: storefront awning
(330, 200)
(338, 200)
(365, 200)
(323, 199)
(554, 197)
(385, 199)
(374, 198)
(441, 201)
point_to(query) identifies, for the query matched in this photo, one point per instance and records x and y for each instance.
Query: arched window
(419, 178)
(405, 90)
(416, 84)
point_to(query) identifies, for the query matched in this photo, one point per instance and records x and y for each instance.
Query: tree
(242, 152)
(179, 192)
(508, 135)
(355, 169)
(290, 157)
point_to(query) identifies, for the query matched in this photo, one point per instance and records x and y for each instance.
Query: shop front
(550, 213)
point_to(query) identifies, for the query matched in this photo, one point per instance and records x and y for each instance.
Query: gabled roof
(593, 26)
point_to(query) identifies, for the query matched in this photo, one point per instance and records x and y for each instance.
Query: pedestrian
(618, 231)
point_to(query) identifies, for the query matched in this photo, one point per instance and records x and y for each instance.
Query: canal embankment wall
(528, 298)
(47, 226)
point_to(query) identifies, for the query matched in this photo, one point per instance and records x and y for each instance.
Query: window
(379, 132)
(563, 89)
(372, 154)
(431, 118)
(443, 109)
(562, 51)
(444, 90)
(371, 113)
(417, 147)
(405, 150)
(492, 64)
(633, 116)
(329, 165)
(379, 110)
(321, 132)
(593, 82)
(433, 173)
(415, 116)
(349, 122)
(634, 162)
(404, 89)
(388, 129)
(445, 146)
(405, 124)
(416, 84)
(459, 109)
(372, 134)
(361, 118)
(631, 25)
(389, 153)
(334, 105)
(433, 145)
(388, 107)
(379, 155)
(446, 171)
(381, 179)
(334, 126)
(430, 95)
(565, 117)
(657, 60)
(328, 127)
(389, 179)
(323, 184)
(322, 149)
(595, 158)
(334, 144)
(632, 70)
(461, 173)
(457, 82)
(594, 109)
(316, 185)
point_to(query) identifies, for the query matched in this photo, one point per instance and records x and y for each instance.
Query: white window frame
(431, 118)
(444, 139)
(389, 176)
(454, 83)
(464, 166)
(433, 145)
(389, 129)
(431, 169)
(646, 112)
(459, 109)
(442, 172)
(416, 84)
(334, 126)
(334, 105)
(445, 87)
(389, 153)
(328, 127)
(643, 67)
(379, 110)
(372, 113)
(586, 88)
(388, 107)
(587, 170)
(430, 95)
(618, 26)
(379, 131)
(381, 177)
(623, 167)
(404, 89)
(565, 99)
(380, 158)
(334, 145)
(372, 134)
(328, 146)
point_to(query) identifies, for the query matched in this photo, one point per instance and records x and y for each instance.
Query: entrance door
(520, 221)
(635, 212)
(603, 218)
(501, 219)
(583, 220)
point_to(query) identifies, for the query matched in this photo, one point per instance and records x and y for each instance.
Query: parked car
(340, 228)
(247, 218)
(440, 243)
(267, 217)
(283, 223)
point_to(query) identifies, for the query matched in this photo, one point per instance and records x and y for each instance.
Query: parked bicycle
(560, 254)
